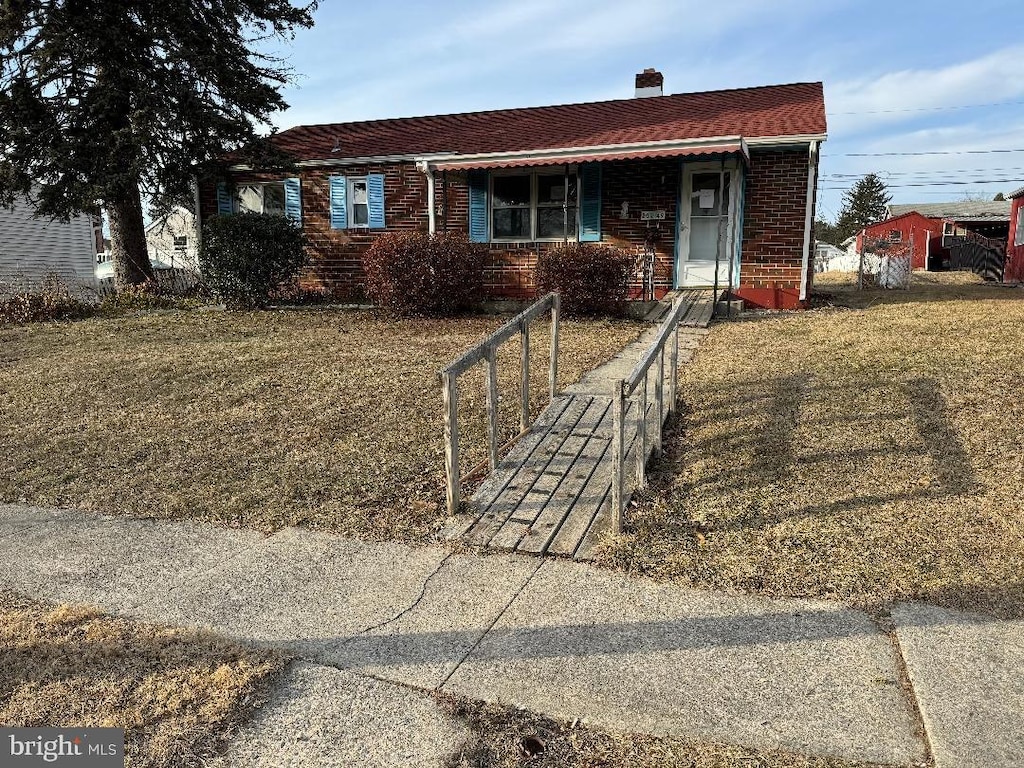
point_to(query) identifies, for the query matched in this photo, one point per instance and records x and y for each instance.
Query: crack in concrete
(884, 622)
(487, 631)
(405, 611)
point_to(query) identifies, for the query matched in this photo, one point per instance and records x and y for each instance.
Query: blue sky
(890, 79)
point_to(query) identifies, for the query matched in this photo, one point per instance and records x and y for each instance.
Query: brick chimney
(649, 83)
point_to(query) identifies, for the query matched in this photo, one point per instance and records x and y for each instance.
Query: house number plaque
(652, 215)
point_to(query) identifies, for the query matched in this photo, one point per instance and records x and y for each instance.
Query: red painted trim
(1014, 270)
(770, 298)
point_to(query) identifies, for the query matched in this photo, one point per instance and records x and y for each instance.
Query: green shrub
(245, 257)
(150, 295)
(53, 300)
(413, 273)
(592, 279)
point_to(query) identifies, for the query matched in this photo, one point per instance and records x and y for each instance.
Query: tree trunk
(128, 239)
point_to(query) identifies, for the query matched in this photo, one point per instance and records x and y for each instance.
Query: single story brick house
(709, 186)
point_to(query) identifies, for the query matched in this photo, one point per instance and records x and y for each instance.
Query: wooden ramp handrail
(622, 389)
(487, 351)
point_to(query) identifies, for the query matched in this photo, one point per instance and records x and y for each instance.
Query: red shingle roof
(774, 110)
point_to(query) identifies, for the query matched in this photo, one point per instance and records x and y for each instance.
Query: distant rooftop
(995, 210)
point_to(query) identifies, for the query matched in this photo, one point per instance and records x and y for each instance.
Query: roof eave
(558, 152)
(566, 154)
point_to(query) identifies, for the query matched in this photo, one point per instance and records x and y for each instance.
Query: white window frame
(350, 204)
(1018, 235)
(895, 236)
(183, 244)
(261, 186)
(534, 174)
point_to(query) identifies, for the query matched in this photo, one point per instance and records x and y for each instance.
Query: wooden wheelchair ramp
(552, 493)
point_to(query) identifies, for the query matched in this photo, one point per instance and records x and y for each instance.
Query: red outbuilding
(923, 235)
(1014, 270)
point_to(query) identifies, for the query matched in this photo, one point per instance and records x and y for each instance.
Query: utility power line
(1010, 179)
(932, 171)
(920, 154)
(930, 109)
(972, 182)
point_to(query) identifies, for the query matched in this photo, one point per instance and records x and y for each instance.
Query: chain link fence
(885, 263)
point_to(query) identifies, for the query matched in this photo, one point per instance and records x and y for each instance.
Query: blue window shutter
(479, 231)
(338, 204)
(375, 200)
(293, 200)
(590, 203)
(224, 206)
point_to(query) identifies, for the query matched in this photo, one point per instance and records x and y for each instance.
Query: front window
(360, 206)
(895, 236)
(180, 243)
(1018, 237)
(534, 206)
(261, 198)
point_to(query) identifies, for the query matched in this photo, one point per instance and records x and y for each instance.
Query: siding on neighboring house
(32, 249)
(160, 241)
(1014, 270)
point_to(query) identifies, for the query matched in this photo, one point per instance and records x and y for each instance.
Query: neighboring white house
(171, 240)
(31, 249)
(829, 258)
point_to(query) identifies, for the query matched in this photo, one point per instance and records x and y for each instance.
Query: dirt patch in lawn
(320, 418)
(505, 738)
(869, 454)
(178, 694)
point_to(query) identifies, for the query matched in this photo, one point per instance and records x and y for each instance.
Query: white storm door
(707, 224)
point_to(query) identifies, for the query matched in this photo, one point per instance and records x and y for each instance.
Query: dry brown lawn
(869, 453)
(500, 736)
(933, 285)
(321, 418)
(178, 694)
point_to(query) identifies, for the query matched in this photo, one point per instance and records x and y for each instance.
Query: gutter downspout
(812, 177)
(424, 166)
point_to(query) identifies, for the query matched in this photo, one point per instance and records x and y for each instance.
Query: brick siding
(774, 219)
(773, 232)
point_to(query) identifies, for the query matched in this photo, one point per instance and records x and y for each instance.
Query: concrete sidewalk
(561, 638)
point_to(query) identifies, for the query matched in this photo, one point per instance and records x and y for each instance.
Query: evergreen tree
(826, 232)
(999, 198)
(105, 101)
(863, 204)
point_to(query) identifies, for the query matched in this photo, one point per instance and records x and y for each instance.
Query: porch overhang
(710, 147)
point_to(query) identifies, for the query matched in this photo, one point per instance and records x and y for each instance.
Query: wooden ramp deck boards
(551, 493)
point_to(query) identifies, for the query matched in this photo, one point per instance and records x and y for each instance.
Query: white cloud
(527, 52)
(884, 99)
